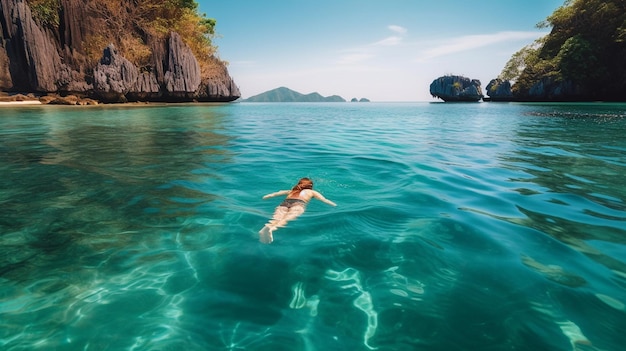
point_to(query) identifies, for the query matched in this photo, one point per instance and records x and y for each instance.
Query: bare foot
(265, 235)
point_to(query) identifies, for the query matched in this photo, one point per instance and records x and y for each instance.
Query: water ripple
(458, 226)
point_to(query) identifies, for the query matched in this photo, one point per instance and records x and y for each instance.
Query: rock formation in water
(456, 88)
(581, 59)
(54, 58)
(499, 90)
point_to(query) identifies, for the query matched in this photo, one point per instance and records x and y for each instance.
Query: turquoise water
(479, 226)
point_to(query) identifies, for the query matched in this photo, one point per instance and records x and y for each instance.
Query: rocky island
(581, 59)
(456, 89)
(499, 90)
(112, 51)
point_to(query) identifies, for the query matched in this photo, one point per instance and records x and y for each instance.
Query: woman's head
(303, 183)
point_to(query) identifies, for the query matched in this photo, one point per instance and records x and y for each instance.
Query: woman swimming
(292, 207)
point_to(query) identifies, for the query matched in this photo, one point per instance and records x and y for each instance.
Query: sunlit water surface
(479, 226)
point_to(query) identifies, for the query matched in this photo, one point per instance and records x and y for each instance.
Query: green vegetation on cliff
(46, 11)
(128, 24)
(583, 55)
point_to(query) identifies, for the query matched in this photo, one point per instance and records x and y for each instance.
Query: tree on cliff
(581, 58)
(115, 50)
(125, 23)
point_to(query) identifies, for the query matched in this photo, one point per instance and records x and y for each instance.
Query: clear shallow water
(459, 227)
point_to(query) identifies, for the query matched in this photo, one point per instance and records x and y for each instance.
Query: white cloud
(389, 41)
(367, 52)
(394, 39)
(397, 29)
(471, 42)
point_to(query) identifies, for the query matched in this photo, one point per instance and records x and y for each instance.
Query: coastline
(17, 103)
(29, 103)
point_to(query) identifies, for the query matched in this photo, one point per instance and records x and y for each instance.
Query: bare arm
(323, 199)
(278, 193)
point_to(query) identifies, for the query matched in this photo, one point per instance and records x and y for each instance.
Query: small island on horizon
(284, 94)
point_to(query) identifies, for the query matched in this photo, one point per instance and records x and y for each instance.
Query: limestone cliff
(43, 58)
(581, 59)
(456, 88)
(499, 90)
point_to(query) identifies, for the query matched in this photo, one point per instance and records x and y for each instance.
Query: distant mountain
(360, 100)
(283, 94)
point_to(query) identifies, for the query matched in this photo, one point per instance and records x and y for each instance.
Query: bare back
(307, 194)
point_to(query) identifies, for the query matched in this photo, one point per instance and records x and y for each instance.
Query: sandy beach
(15, 103)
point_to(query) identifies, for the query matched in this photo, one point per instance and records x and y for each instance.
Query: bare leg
(292, 214)
(281, 216)
(266, 233)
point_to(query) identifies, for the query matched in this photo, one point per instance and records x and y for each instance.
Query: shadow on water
(571, 179)
(102, 175)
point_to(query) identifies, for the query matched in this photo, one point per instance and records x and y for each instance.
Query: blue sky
(381, 50)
